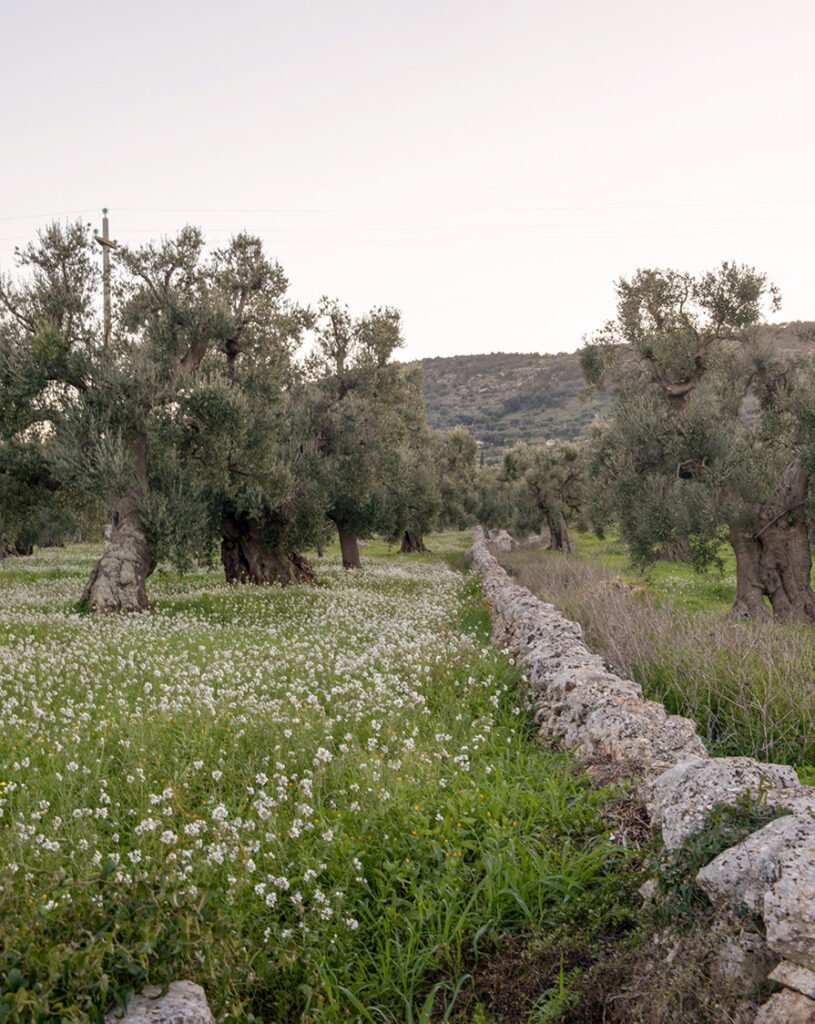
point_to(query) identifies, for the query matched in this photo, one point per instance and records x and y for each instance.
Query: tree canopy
(547, 489)
(198, 422)
(709, 438)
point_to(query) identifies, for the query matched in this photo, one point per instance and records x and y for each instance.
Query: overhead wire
(551, 230)
(551, 208)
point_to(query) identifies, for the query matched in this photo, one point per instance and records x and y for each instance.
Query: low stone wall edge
(581, 705)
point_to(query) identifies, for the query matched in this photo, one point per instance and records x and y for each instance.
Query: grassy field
(320, 803)
(676, 582)
(750, 687)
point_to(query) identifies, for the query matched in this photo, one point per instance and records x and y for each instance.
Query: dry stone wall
(581, 705)
(183, 1003)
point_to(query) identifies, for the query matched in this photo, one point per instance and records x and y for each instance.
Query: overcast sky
(490, 168)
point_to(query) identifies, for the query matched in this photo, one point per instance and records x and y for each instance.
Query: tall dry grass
(750, 687)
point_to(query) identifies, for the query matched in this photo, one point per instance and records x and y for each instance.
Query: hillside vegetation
(504, 397)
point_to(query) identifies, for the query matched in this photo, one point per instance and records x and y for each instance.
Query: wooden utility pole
(107, 245)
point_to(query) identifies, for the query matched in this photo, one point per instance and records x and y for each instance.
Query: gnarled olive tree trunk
(117, 583)
(677, 550)
(558, 533)
(774, 560)
(412, 543)
(16, 550)
(247, 557)
(349, 546)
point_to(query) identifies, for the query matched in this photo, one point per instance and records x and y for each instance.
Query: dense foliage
(683, 458)
(202, 421)
(547, 487)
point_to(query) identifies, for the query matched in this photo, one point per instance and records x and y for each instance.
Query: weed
(668, 968)
(680, 898)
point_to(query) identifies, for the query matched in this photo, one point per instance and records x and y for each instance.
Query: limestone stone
(795, 976)
(741, 954)
(683, 796)
(676, 742)
(789, 910)
(586, 682)
(639, 732)
(581, 705)
(787, 1007)
(744, 874)
(798, 799)
(184, 1003)
(501, 540)
(648, 890)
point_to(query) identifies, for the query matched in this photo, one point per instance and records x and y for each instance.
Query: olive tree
(49, 352)
(547, 489)
(175, 424)
(363, 408)
(456, 455)
(709, 438)
(238, 422)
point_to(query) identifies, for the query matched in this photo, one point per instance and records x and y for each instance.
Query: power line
(293, 211)
(374, 234)
(36, 216)
(501, 237)
(464, 209)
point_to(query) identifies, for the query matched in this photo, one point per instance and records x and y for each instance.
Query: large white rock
(794, 976)
(787, 1008)
(789, 910)
(184, 1003)
(743, 875)
(639, 733)
(682, 797)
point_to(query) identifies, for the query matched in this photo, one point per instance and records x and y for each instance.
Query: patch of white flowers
(234, 738)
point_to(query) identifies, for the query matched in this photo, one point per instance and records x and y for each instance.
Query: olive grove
(205, 421)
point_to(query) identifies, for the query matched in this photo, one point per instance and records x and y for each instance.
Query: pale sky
(490, 168)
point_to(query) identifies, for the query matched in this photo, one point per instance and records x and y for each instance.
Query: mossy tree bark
(412, 543)
(118, 580)
(248, 558)
(774, 561)
(559, 539)
(349, 546)
(18, 550)
(675, 551)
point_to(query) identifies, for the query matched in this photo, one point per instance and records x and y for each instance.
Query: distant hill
(506, 397)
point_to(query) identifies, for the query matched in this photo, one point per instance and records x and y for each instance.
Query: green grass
(677, 582)
(750, 687)
(320, 803)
